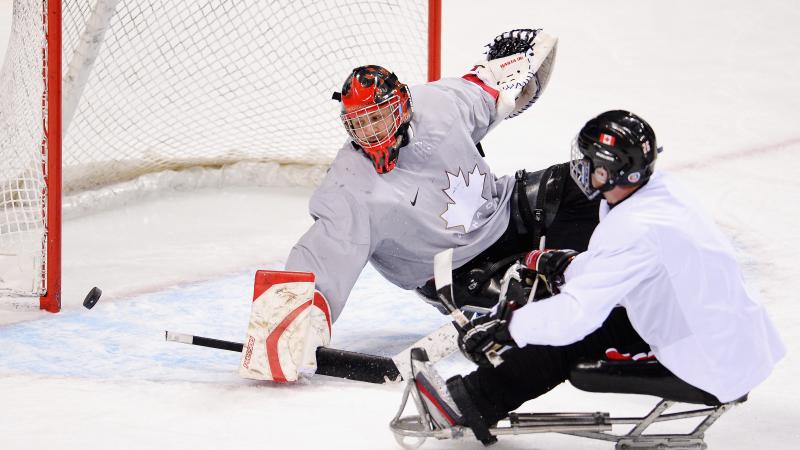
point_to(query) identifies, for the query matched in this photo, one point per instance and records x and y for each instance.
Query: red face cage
(372, 126)
(375, 108)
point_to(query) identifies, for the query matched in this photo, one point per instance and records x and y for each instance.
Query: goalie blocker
(288, 321)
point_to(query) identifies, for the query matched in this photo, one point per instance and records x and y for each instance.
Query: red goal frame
(51, 147)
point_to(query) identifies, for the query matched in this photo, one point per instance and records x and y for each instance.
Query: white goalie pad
(288, 321)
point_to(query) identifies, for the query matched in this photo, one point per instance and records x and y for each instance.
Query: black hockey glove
(550, 265)
(485, 334)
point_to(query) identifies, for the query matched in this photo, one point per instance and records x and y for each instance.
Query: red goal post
(148, 86)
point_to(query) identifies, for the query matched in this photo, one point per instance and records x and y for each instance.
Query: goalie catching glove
(288, 321)
(516, 69)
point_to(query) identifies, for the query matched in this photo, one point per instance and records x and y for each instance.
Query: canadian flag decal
(607, 139)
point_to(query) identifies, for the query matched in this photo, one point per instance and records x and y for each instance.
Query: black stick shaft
(330, 361)
(217, 343)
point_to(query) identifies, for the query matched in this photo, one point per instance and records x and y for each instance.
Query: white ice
(718, 81)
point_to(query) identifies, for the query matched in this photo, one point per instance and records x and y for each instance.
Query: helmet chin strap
(402, 138)
(404, 134)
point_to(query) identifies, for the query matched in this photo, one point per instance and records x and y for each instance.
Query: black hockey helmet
(618, 147)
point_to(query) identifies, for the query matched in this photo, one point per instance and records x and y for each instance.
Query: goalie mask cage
(148, 86)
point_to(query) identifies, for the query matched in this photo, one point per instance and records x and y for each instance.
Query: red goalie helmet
(376, 111)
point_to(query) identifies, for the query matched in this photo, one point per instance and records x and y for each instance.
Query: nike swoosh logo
(414, 202)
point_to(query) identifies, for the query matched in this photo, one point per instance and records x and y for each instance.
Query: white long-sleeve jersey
(442, 194)
(658, 255)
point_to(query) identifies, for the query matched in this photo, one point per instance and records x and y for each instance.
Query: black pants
(533, 370)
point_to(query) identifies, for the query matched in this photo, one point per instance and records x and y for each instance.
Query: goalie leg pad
(288, 321)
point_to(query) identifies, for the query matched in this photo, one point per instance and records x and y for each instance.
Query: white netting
(199, 83)
(21, 158)
(158, 85)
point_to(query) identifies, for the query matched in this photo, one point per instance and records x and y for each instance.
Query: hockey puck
(92, 297)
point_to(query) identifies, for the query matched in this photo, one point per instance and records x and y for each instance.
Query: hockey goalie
(408, 183)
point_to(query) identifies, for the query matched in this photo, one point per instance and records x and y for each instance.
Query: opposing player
(657, 256)
(410, 183)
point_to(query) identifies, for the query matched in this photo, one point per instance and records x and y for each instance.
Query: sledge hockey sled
(624, 377)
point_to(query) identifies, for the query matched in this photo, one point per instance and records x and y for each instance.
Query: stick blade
(443, 268)
(443, 277)
(438, 345)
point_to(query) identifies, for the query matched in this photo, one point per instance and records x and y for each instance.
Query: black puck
(92, 297)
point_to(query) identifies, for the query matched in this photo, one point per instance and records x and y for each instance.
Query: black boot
(470, 415)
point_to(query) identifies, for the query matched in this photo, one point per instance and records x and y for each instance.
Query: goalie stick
(330, 361)
(439, 344)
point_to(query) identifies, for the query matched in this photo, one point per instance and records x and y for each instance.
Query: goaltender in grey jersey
(442, 194)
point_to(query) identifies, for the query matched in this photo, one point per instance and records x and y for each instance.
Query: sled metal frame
(597, 425)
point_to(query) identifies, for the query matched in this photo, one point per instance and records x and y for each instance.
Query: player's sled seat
(624, 377)
(637, 377)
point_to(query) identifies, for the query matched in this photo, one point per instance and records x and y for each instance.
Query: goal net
(150, 86)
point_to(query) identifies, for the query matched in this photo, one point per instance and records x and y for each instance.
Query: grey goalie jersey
(440, 195)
